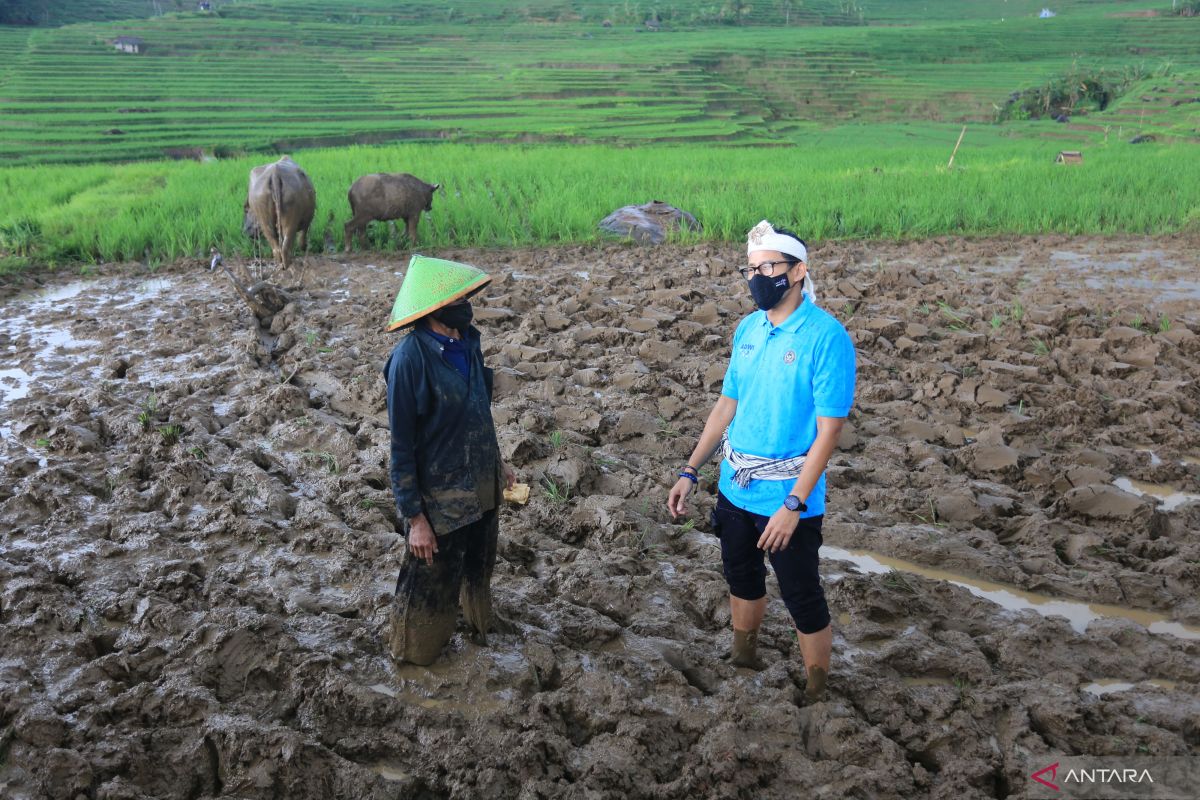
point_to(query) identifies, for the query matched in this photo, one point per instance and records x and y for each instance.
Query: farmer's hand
(676, 500)
(510, 477)
(779, 530)
(421, 540)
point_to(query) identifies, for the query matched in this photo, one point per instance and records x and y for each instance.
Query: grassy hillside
(286, 74)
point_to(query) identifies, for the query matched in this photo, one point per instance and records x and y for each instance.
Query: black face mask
(457, 316)
(767, 292)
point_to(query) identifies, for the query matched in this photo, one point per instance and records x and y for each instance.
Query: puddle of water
(1191, 461)
(583, 273)
(1169, 498)
(1079, 615)
(14, 384)
(51, 295)
(383, 688)
(146, 290)
(1108, 686)
(1169, 279)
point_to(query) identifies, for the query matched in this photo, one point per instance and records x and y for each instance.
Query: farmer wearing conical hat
(787, 391)
(445, 461)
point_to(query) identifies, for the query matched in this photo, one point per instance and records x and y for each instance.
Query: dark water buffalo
(388, 196)
(280, 205)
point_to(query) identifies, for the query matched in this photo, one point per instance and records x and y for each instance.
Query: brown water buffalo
(280, 203)
(388, 196)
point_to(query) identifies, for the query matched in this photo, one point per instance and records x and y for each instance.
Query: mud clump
(198, 546)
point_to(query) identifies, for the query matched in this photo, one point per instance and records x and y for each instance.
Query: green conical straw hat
(431, 283)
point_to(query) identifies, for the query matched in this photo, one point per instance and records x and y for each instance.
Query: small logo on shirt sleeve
(747, 349)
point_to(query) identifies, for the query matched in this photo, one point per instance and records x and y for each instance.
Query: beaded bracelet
(689, 476)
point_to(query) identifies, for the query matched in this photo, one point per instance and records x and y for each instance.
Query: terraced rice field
(284, 75)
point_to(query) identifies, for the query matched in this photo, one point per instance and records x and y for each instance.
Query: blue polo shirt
(784, 377)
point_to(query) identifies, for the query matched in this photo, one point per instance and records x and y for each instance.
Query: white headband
(763, 236)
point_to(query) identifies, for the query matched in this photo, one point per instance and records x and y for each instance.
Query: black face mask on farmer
(767, 292)
(457, 316)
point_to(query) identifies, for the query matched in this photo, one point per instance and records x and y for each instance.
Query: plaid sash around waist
(747, 467)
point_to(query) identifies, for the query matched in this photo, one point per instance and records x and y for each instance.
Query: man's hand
(677, 499)
(421, 540)
(779, 530)
(510, 477)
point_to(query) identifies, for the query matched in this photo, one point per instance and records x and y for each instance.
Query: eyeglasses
(766, 268)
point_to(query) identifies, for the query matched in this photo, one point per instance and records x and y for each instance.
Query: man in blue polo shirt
(787, 391)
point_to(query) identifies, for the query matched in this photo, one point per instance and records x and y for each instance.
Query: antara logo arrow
(1053, 770)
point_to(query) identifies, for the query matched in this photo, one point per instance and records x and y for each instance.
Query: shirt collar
(795, 320)
(445, 341)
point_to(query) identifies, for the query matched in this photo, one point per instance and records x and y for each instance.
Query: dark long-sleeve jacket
(445, 458)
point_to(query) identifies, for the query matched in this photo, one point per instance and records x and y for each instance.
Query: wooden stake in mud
(952, 155)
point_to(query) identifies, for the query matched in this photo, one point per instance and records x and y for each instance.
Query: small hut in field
(1069, 157)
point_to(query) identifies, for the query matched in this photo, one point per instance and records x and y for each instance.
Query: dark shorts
(795, 566)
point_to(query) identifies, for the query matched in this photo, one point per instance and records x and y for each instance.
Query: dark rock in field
(114, 132)
(1145, 138)
(1062, 118)
(649, 223)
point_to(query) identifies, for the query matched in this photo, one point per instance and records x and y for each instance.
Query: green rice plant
(20, 237)
(997, 322)
(557, 440)
(556, 494)
(169, 434)
(666, 429)
(1164, 323)
(1138, 323)
(42, 442)
(1040, 347)
(324, 458)
(145, 417)
(898, 581)
(197, 452)
(1017, 311)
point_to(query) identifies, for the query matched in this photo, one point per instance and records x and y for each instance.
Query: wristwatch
(793, 503)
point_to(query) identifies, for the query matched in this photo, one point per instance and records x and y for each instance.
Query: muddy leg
(478, 563)
(816, 649)
(412, 229)
(424, 613)
(747, 617)
(285, 247)
(273, 240)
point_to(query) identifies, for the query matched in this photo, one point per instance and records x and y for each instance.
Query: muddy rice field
(198, 544)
